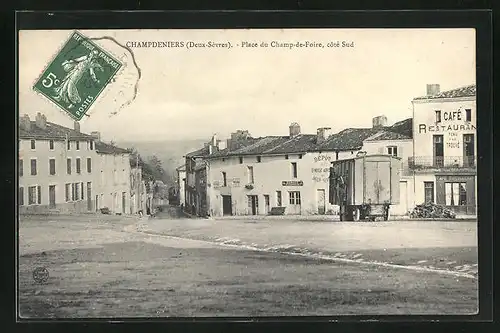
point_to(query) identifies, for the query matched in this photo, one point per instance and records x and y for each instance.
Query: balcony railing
(439, 162)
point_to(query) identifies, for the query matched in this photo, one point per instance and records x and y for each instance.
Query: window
(294, 198)
(259, 159)
(73, 192)
(455, 194)
(250, 175)
(300, 156)
(31, 195)
(294, 169)
(89, 165)
(438, 116)
(51, 144)
(91, 145)
(78, 166)
(52, 166)
(33, 167)
(39, 194)
(241, 160)
(81, 186)
(68, 191)
(392, 150)
(68, 166)
(429, 192)
(278, 198)
(21, 196)
(224, 179)
(21, 168)
(468, 115)
(77, 191)
(33, 144)
(69, 145)
(77, 145)
(286, 157)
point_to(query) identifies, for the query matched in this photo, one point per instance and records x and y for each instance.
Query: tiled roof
(199, 153)
(399, 131)
(104, 148)
(454, 93)
(51, 132)
(348, 139)
(387, 135)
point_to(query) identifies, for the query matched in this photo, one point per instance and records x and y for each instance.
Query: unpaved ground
(98, 270)
(442, 245)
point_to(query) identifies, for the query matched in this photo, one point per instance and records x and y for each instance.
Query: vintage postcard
(247, 173)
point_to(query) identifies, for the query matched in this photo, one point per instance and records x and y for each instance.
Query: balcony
(442, 163)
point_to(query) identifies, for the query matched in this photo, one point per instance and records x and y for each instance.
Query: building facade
(113, 188)
(445, 146)
(257, 175)
(57, 168)
(181, 184)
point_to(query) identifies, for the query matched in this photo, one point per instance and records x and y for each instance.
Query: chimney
(323, 134)
(40, 121)
(96, 135)
(294, 129)
(433, 89)
(379, 122)
(25, 122)
(76, 126)
(210, 149)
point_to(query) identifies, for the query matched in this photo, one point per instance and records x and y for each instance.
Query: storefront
(457, 192)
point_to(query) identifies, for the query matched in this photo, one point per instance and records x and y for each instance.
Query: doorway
(253, 204)
(227, 207)
(89, 196)
(438, 145)
(321, 202)
(52, 196)
(266, 204)
(295, 203)
(469, 150)
(123, 202)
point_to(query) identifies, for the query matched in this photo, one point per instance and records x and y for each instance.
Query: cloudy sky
(193, 93)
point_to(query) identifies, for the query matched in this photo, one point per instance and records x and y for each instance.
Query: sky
(197, 92)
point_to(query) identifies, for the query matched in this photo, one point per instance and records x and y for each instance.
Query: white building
(444, 140)
(181, 184)
(57, 168)
(114, 187)
(251, 176)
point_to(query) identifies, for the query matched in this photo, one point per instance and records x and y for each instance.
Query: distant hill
(170, 152)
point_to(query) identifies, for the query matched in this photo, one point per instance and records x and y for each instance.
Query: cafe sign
(292, 183)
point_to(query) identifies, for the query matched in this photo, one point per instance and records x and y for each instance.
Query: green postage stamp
(77, 75)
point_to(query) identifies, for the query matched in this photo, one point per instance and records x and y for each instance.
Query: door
(227, 208)
(321, 202)
(266, 204)
(52, 196)
(123, 202)
(294, 208)
(253, 204)
(438, 148)
(89, 196)
(468, 150)
(377, 182)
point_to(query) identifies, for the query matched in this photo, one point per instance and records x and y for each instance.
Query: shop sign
(292, 183)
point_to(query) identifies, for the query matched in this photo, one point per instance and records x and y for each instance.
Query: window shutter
(400, 151)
